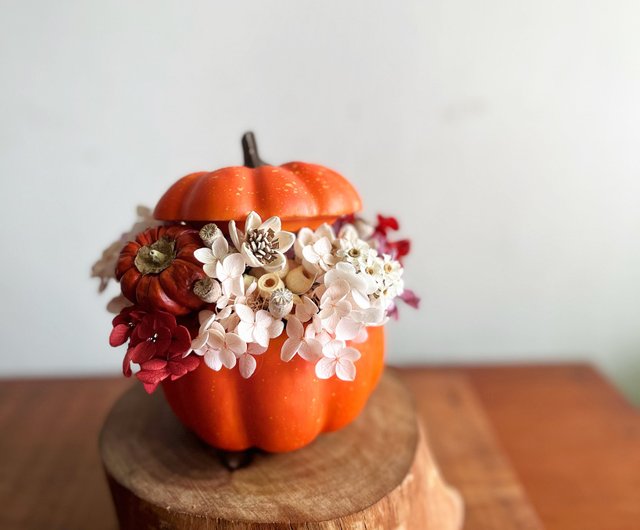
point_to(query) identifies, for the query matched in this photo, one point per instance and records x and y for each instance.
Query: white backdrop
(504, 134)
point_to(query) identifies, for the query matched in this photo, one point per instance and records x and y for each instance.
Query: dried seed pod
(281, 303)
(267, 283)
(209, 232)
(208, 290)
(299, 280)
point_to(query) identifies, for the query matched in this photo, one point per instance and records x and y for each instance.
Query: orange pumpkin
(283, 406)
(300, 194)
(157, 271)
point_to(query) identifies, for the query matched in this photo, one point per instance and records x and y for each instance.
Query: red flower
(153, 372)
(124, 324)
(156, 337)
(385, 224)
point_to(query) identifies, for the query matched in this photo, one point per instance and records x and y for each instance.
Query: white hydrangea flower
(307, 348)
(218, 347)
(361, 285)
(305, 309)
(210, 256)
(262, 244)
(337, 359)
(334, 305)
(257, 327)
(229, 271)
(315, 249)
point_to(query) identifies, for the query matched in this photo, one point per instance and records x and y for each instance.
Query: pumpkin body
(300, 194)
(169, 289)
(282, 407)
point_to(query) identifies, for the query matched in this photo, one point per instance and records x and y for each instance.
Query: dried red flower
(159, 340)
(124, 324)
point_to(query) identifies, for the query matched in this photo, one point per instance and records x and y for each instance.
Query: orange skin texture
(281, 407)
(300, 194)
(172, 289)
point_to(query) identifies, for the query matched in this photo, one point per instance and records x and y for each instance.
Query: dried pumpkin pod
(268, 283)
(281, 303)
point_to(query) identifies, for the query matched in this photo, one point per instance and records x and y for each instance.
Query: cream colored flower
(210, 256)
(262, 244)
(339, 360)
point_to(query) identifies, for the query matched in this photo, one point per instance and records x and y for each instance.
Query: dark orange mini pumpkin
(283, 406)
(157, 271)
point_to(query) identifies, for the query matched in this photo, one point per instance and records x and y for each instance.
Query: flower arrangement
(219, 294)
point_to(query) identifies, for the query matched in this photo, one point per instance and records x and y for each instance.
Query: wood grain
(562, 434)
(375, 473)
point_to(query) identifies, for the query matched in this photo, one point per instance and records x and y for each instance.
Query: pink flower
(338, 359)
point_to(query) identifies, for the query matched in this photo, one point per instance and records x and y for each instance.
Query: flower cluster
(321, 287)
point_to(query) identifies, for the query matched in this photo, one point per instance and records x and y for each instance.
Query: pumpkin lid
(294, 192)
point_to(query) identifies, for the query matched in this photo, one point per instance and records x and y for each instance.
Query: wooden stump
(376, 473)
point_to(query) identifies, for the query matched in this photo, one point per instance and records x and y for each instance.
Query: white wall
(504, 134)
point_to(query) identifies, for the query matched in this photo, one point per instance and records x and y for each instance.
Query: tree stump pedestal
(377, 473)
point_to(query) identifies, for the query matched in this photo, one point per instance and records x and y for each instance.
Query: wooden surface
(551, 447)
(376, 473)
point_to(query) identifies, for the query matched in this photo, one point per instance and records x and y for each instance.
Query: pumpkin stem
(250, 151)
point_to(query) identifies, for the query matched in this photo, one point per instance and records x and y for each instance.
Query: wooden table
(531, 447)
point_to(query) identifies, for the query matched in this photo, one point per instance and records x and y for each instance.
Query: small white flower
(218, 347)
(257, 327)
(355, 251)
(360, 285)
(211, 256)
(334, 306)
(307, 348)
(305, 309)
(247, 362)
(338, 359)
(229, 271)
(307, 237)
(315, 249)
(262, 244)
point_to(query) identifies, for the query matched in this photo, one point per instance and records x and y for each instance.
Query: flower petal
(350, 354)
(345, 370)
(285, 241)
(235, 343)
(219, 247)
(253, 221)
(245, 313)
(204, 255)
(294, 328)
(289, 349)
(227, 358)
(347, 329)
(325, 368)
(272, 223)
(247, 365)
